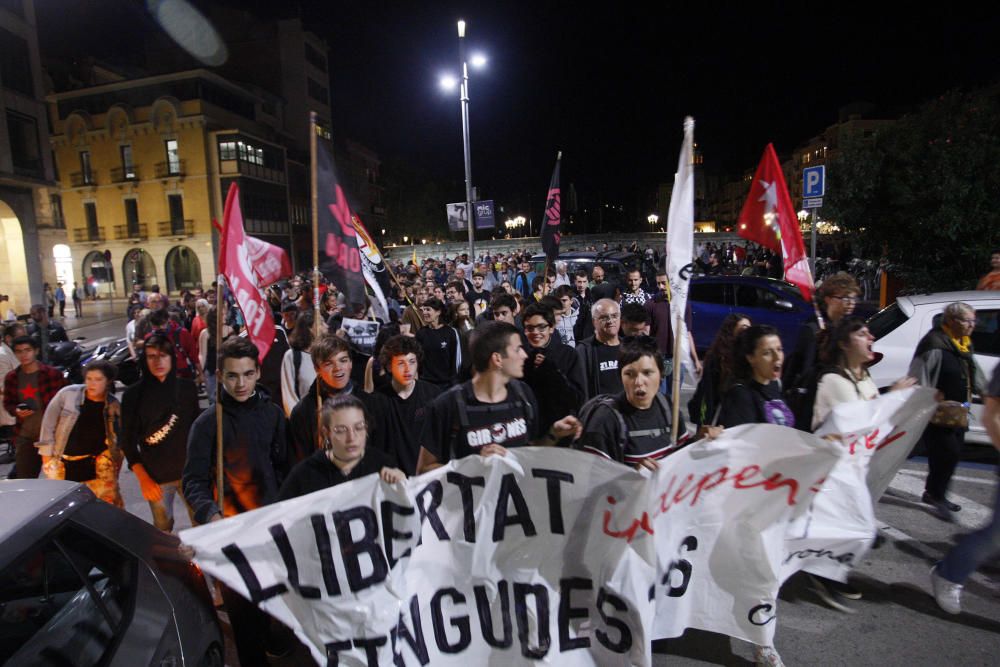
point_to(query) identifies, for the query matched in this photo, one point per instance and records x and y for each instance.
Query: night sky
(609, 88)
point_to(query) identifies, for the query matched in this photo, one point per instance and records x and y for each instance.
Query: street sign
(815, 202)
(814, 182)
(484, 214)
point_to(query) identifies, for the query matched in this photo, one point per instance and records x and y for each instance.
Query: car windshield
(886, 321)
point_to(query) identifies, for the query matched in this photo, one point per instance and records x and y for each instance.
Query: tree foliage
(415, 201)
(925, 192)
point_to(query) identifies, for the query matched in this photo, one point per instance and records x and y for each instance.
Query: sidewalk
(94, 312)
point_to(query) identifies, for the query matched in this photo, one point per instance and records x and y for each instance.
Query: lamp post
(448, 83)
(652, 219)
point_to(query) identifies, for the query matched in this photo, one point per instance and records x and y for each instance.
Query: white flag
(680, 243)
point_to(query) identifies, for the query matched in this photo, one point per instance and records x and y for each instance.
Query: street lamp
(652, 219)
(449, 82)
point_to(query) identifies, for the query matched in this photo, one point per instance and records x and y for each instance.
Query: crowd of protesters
(474, 356)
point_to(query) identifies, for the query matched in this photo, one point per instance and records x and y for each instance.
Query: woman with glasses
(835, 300)
(943, 360)
(344, 456)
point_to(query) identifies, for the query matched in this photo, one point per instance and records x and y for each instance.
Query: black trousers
(27, 460)
(944, 446)
(250, 628)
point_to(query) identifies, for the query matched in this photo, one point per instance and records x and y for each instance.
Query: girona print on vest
(498, 433)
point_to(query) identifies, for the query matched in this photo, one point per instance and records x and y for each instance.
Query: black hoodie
(303, 438)
(156, 420)
(254, 451)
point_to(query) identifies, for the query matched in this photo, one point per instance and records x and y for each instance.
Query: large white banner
(545, 554)
(877, 437)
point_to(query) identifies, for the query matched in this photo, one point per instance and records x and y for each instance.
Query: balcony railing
(177, 228)
(88, 235)
(167, 169)
(82, 178)
(123, 175)
(136, 232)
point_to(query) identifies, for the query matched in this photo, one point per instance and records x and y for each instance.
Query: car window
(710, 292)
(986, 335)
(64, 602)
(887, 320)
(751, 296)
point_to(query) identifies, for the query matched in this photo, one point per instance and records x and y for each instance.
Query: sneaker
(823, 588)
(766, 656)
(845, 590)
(941, 510)
(947, 595)
(943, 503)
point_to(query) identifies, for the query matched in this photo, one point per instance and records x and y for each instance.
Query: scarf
(961, 343)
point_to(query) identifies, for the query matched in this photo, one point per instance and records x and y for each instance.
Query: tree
(414, 201)
(925, 192)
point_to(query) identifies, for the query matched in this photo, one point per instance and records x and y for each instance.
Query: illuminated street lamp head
(461, 28)
(448, 82)
(478, 60)
(652, 218)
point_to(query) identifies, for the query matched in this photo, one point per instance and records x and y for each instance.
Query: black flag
(340, 260)
(553, 216)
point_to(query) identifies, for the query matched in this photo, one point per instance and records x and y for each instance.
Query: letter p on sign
(814, 181)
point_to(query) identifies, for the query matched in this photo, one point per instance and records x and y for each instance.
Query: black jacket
(559, 382)
(254, 450)
(303, 436)
(156, 420)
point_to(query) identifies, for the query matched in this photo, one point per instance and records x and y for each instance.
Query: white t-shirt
(834, 389)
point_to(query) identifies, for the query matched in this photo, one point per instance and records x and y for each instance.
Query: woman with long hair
(79, 434)
(718, 370)
(755, 394)
(459, 317)
(345, 423)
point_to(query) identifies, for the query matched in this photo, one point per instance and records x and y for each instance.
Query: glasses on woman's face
(847, 299)
(341, 430)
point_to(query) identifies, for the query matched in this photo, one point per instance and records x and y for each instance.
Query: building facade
(144, 167)
(29, 220)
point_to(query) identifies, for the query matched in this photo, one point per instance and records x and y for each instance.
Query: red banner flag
(236, 264)
(769, 219)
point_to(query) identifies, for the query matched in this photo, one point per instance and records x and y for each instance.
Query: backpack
(519, 399)
(611, 401)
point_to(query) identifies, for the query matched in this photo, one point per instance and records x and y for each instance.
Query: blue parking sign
(814, 181)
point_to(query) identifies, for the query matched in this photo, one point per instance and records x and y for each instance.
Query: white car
(898, 329)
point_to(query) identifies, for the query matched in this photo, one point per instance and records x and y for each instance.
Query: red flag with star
(768, 218)
(339, 258)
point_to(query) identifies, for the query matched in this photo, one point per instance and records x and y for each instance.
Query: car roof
(26, 500)
(910, 302)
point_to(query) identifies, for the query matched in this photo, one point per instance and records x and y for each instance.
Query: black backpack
(611, 401)
(514, 395)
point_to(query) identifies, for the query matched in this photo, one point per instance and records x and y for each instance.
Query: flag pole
(219, 459)
(315, 234)
(678, 366)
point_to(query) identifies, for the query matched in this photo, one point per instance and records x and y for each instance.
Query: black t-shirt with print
(399, 422)
(754, 403)
(510, 423)
(648, 431)
(609, 377)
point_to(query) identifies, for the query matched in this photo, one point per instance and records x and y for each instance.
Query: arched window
(183, 269)
(138, 269)
(98, 276)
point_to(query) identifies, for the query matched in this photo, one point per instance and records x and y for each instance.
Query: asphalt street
(896, 622)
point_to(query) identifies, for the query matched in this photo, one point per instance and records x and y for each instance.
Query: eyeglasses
(609, 318)
(971, 322)
(847, 299)
(341, 430)
(535, 328)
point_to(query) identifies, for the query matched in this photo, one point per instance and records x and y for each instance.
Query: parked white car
(898, 329)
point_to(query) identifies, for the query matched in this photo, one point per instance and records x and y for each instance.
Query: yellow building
(144, 166)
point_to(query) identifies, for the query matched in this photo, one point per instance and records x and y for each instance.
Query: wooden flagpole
(313, 128)
(219, 459)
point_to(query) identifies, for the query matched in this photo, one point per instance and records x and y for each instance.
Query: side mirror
(784, 305)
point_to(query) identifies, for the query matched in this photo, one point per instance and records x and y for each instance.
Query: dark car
(763, 300)
(84, 583)
(616, 264)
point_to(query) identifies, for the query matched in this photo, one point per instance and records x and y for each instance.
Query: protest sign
(877, 437)
(543, 554)
(362, 333)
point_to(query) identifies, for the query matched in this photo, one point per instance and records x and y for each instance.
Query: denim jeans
(163, 509)
(973, 550)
